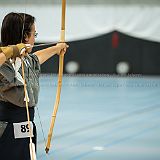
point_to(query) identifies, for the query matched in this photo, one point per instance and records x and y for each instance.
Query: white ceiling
(149, 2)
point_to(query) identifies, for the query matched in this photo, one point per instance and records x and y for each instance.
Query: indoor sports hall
(109, 103)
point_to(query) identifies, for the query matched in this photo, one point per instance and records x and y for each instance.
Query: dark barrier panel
(110, 53)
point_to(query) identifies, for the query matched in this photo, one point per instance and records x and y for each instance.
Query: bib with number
(21, 130)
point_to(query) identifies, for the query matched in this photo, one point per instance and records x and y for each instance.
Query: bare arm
(45, 54)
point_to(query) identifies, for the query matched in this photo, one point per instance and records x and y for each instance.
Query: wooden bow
(31, 144)
(60, 74)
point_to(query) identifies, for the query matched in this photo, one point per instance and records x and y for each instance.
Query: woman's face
(31, 38)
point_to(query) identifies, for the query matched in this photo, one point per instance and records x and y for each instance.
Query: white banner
(86, 21)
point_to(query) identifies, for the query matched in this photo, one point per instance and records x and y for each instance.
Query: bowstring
(24, 17)
(44, 139)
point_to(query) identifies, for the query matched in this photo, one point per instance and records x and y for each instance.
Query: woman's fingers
(62, 48)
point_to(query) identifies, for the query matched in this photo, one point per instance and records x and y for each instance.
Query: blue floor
(101, 118)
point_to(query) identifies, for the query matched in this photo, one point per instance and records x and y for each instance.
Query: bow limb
(60, 74)
(31, 145)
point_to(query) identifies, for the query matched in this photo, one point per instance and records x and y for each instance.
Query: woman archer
(18, 29)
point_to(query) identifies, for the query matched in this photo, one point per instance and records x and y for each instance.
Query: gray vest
(12, 89)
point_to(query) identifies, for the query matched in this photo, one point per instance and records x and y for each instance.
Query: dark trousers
(11, 148)
(15, 149)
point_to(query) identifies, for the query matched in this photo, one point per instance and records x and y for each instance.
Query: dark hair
(15, 28)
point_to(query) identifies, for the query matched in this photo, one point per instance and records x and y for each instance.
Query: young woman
(18, 30)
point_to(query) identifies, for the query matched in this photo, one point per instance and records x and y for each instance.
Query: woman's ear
(26, 37)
